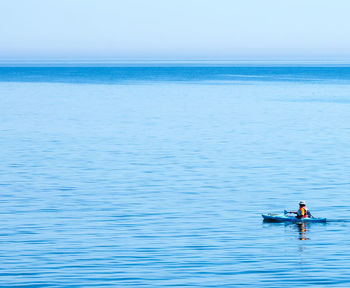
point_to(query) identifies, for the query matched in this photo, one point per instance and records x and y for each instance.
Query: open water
(157, 177)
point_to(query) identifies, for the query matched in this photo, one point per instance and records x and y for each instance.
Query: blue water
(157, 177)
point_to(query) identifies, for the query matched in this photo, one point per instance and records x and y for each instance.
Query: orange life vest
(302, 212)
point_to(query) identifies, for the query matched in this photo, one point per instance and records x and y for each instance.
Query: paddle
(286, 212)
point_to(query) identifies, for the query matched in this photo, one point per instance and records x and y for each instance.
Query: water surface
(156, 177)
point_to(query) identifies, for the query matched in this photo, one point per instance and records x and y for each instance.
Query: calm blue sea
(157, 177)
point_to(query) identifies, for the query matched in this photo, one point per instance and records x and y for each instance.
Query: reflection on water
(302, 227)
(300, 231)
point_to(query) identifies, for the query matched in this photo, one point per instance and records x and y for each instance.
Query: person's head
(302, 203)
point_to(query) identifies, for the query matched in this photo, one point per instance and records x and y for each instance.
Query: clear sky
(175, 29)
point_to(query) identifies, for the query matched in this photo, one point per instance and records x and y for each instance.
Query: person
(303, 211)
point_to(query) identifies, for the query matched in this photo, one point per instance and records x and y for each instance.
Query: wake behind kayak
(270, 217)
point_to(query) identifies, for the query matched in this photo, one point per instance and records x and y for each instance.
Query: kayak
(270, 217)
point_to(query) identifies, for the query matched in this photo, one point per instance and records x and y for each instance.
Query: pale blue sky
(175, 29)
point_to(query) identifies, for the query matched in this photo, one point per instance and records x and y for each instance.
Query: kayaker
(303, 212)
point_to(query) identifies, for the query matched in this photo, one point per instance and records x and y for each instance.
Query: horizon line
(168, 62)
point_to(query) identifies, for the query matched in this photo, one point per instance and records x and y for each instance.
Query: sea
(157, 176)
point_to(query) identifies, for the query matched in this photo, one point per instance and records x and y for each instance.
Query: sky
(174, 29)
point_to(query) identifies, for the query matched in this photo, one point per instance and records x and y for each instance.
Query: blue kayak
(291, 219)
